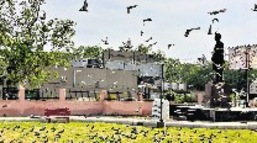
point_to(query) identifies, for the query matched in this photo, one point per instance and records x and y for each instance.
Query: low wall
(140, 108)
(24, 107)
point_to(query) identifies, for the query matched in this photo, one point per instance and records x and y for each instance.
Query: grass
(78, 132)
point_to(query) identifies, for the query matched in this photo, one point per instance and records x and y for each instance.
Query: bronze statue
(218, 58)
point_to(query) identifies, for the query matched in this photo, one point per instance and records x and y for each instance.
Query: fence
(41, 94)
(9, 93)
(82, 95)
(120, 96)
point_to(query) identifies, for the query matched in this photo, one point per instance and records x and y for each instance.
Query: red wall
(26, 108)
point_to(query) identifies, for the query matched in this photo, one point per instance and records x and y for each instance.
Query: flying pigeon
(130, 7)
(169, 45)
(84, 7)
(189, 30)
(255, 7)
(217, 11)
(149, 39)
(150, 45)
(105, 41)
(215, 19)
(210, 30)
(141, 33)
(145, 20)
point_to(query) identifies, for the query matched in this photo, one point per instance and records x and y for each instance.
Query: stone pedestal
(161, 124)
(211, 95)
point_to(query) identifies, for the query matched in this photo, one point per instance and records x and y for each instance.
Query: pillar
(62, 94)
(21, 94)
(102, 95)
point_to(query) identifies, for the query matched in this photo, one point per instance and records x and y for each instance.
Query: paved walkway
(148, 122)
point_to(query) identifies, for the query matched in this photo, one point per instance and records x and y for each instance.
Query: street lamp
(161, 124)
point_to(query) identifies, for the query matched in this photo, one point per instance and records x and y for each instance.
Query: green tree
(87, 52)
(171, 70)
(159, 56)
(24, 34)
(126, 47)
(200, 76)
(143, 49)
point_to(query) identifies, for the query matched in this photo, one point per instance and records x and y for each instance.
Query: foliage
(192, 74)
(24, 34)
(159, 56)
(184, 98)
(83, 52)
(81, 131)
(201, 76)
(143, 49)
(112, 97)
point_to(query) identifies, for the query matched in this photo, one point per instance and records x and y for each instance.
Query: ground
(78, 132)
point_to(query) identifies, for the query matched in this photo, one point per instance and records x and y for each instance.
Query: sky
(171, 18)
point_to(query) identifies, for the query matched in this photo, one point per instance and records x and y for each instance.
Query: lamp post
(161, 124)
(247, 64)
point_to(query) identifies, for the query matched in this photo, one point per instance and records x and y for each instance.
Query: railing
(9, 93)
(33, 94)
(82, 95)
(41, 94)
(119, 96)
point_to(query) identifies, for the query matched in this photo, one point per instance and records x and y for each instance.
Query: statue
(218, 59)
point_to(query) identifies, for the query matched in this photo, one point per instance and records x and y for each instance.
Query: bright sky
(171, 18)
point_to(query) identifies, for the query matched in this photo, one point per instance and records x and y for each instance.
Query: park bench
(57, 113)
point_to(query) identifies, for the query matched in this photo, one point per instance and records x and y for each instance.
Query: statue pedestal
(217, 96)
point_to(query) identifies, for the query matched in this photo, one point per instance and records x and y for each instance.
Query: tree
(143, 49)
(87, 52)
(159, 56)
(24, 34)
(171, 70)
(126, 47)
(192, 74)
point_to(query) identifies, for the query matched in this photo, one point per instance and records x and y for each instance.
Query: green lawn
(78, 132)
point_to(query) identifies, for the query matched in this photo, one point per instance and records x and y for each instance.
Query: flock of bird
(187, 32)
(84, 8)
(115, 133)
(238, 54)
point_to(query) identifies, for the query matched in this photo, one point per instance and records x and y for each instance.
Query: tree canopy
(25, 34)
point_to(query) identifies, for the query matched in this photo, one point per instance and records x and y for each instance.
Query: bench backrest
(58, 111)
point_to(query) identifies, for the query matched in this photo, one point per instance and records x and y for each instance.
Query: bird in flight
(169, 45)
(210, 30)
(215, 19)
(130, 7)
(147, 19)
(84, 7)
(151, 38)
(105, 41)
(217, 11)
(255, 7)
(141, 33)
(189, 30)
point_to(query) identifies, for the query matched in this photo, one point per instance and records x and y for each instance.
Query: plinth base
(161, 124)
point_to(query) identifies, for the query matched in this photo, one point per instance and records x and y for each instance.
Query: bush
(111, 97)
(184, 98)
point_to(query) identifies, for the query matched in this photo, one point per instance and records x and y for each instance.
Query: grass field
(79, 132)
